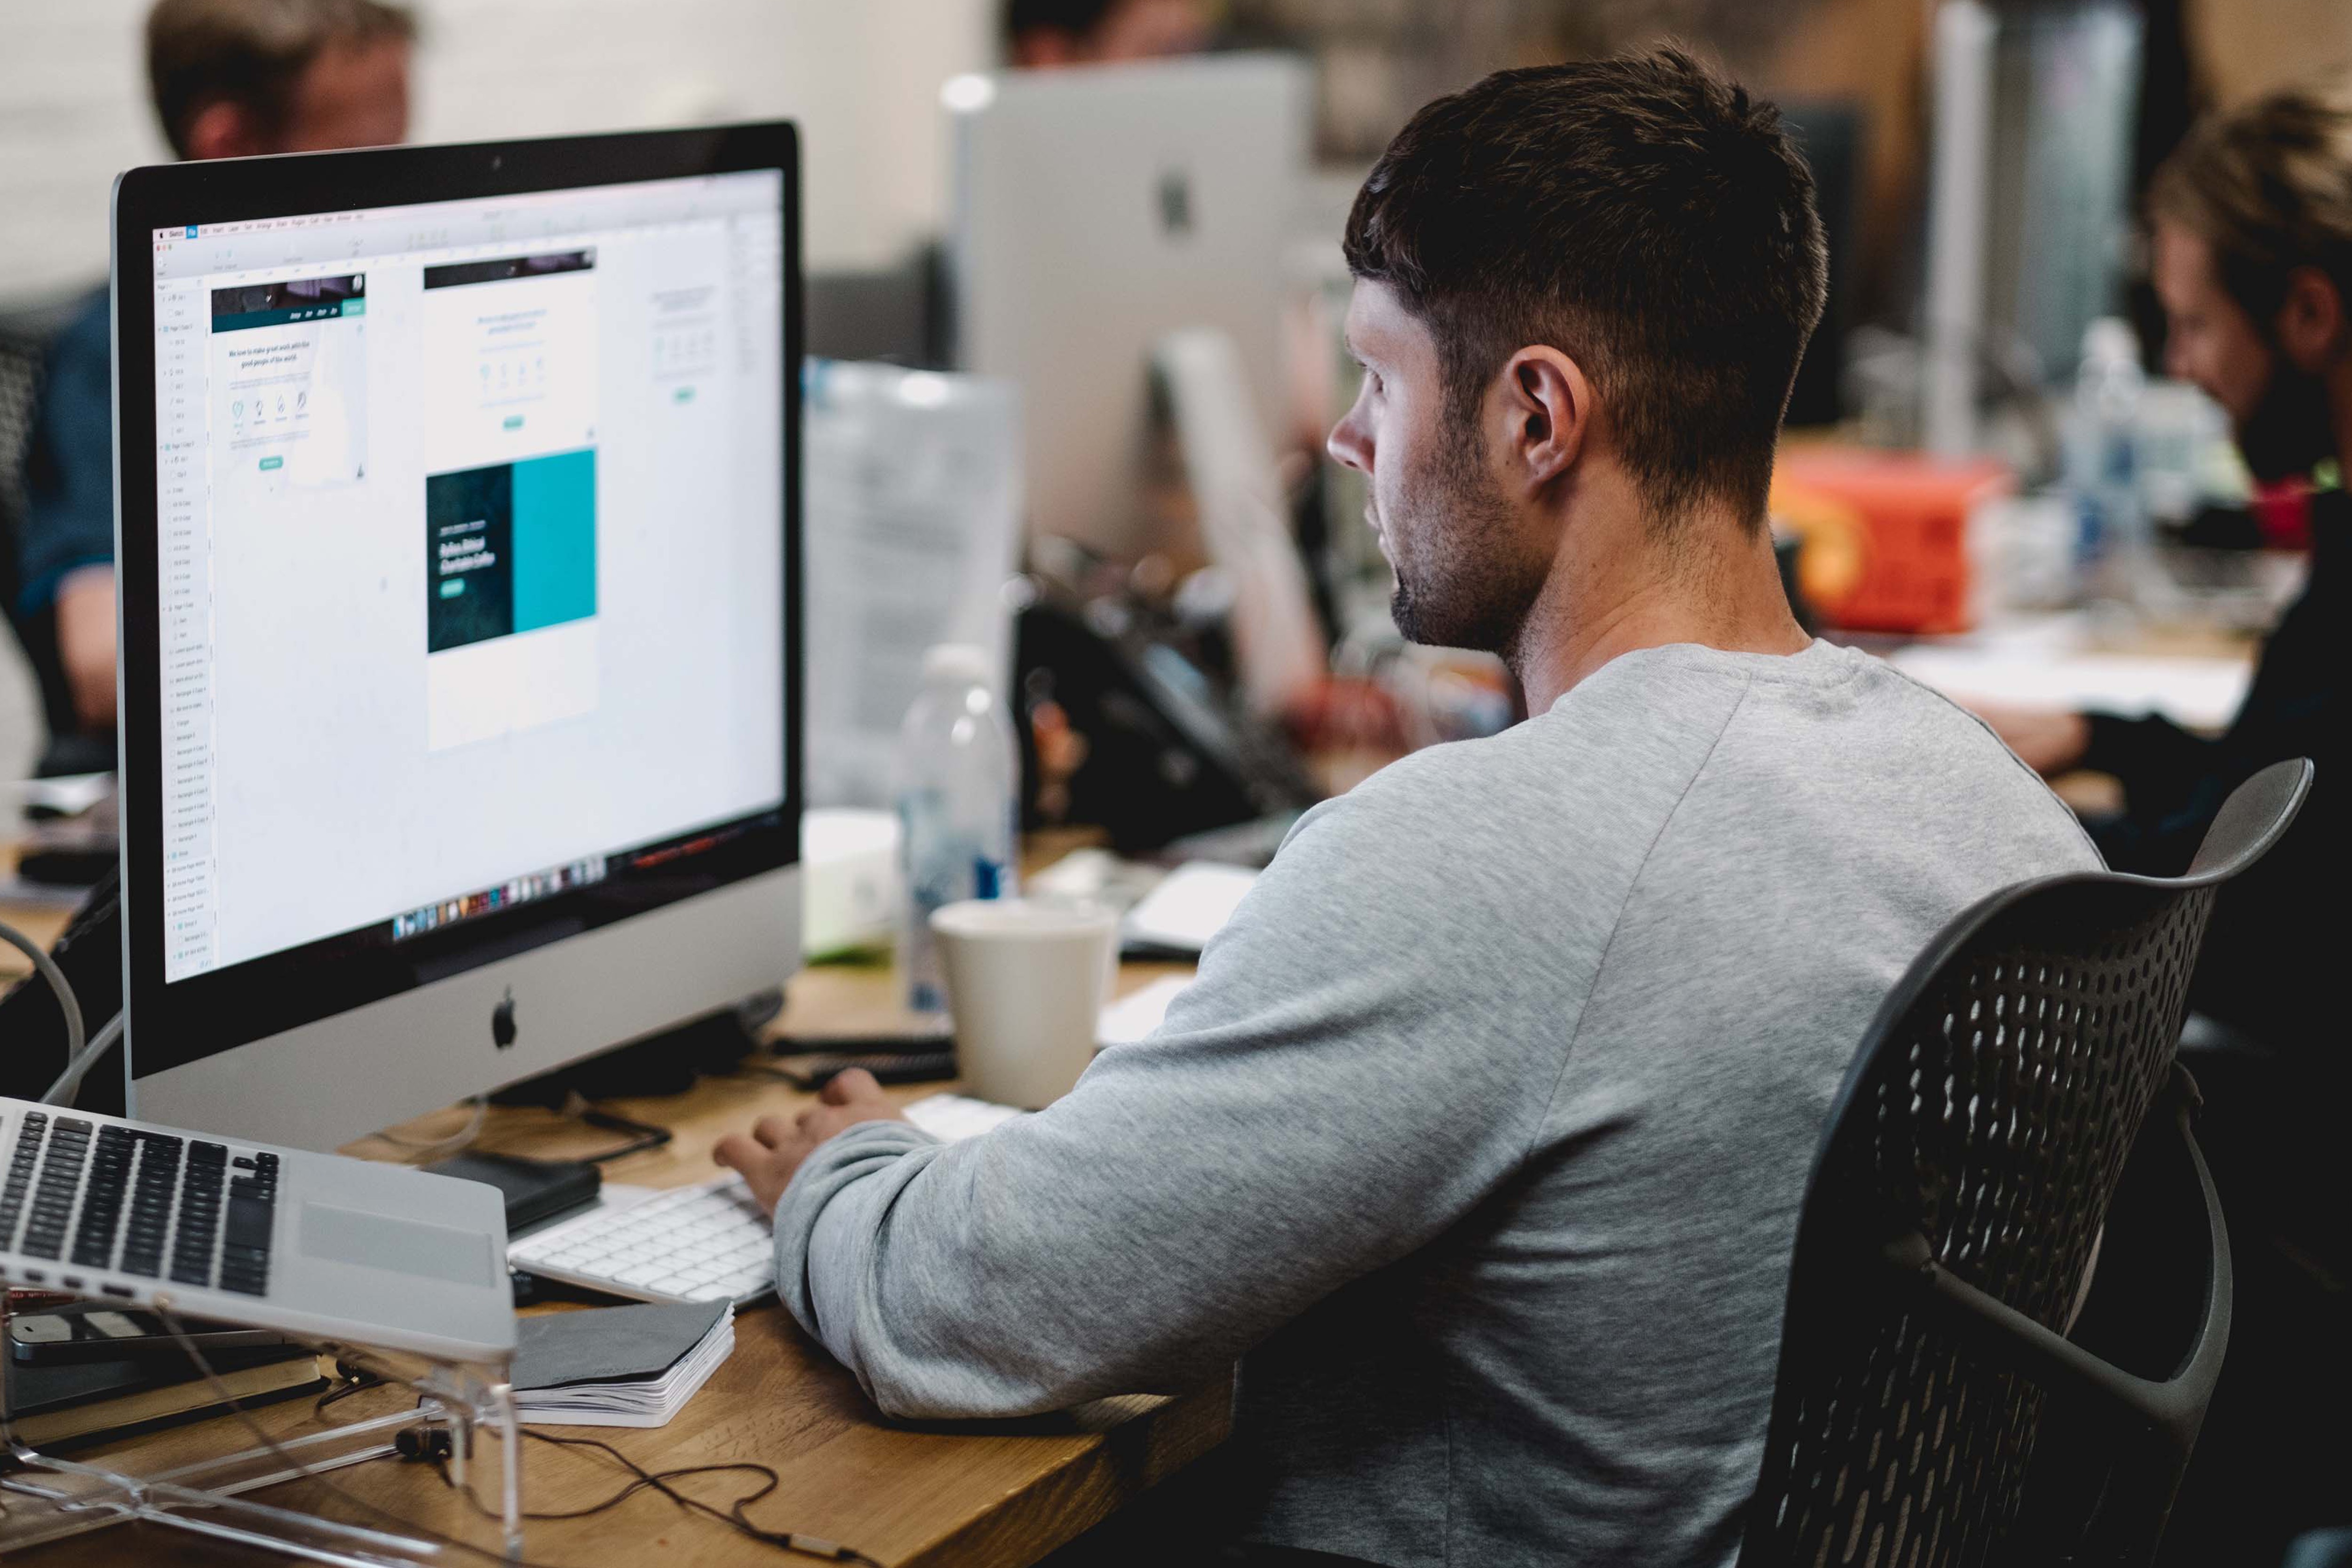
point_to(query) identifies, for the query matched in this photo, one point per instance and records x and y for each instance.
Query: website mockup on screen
(472, 541)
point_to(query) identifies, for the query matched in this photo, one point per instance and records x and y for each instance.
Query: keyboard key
(249, 1223)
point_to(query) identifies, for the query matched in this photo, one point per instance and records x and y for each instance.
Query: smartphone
(89, 1331)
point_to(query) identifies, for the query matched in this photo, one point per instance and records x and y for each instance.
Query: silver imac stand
(1231, 466)
(47, 1498)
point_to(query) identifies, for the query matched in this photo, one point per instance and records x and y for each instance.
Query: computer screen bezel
(202, 1015)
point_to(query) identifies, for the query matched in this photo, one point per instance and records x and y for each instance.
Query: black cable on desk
(646, 1135)
(734, 1519)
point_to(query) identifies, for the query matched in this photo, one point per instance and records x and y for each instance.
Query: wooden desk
(970, 1495)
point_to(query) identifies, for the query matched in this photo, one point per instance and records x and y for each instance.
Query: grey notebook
(606, 1343)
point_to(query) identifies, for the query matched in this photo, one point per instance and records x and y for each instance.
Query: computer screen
(469, 553)
(457, 568)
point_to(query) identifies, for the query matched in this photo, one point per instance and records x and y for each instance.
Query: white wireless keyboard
(701, 1243)
(704, 1242)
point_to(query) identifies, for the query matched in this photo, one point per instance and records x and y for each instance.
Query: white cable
(68, 1084)
(49, 970)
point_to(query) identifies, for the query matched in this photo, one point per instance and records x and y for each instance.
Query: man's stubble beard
(2291, 430)
(1462, 582)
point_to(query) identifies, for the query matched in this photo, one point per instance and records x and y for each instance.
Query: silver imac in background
(1094, 211)
(458, 566)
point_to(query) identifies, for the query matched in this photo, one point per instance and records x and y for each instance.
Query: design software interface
(471, 525)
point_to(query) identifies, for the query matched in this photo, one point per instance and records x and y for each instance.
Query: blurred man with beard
(2252, 243)
(2252, 247)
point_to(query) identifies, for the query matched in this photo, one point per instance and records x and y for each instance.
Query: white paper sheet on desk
(1132, 1017)
(2198, 693)
(1191, 905)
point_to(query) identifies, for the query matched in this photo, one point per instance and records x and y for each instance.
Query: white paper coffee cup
(1026, 982)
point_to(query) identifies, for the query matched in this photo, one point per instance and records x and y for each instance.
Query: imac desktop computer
(1097, 211)
(1116, 249)
(457, 563)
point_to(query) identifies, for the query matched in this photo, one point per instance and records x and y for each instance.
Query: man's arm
(85, 622)
(1366, 1055)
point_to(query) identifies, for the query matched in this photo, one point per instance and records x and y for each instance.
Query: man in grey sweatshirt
(1480, 1139)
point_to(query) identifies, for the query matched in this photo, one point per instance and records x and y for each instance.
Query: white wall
(861, 76)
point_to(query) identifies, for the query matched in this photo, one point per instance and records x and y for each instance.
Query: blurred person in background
(1044, 33)
(2252, 224)
(231, 78)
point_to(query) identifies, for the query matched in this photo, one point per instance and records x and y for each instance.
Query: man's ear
(2312, 322)
(223, 129)
(1548, 408)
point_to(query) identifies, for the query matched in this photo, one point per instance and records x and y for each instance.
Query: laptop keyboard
(134, 1200)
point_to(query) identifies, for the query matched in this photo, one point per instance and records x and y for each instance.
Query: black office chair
(1953, 1217)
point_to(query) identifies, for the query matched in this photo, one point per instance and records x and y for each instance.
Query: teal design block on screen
(554, 539)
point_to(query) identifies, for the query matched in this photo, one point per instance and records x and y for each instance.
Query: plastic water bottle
(956, 785)
(2103, 460)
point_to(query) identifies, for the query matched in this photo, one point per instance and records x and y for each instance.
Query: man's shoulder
(1569, 800)
(1594, 759)
(88, 332)
(1885, 758)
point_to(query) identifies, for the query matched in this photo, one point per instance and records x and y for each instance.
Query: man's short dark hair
(251, 52)
(1076, 18)
(1641, 215)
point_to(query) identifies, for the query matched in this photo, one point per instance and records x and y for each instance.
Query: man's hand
(2049, 742)
(774, 1148)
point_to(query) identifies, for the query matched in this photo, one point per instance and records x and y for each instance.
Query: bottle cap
(2110, 340)
(961, 662)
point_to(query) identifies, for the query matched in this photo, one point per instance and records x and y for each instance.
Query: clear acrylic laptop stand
(45, 1498)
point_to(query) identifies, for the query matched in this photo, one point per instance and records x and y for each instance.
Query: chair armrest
(2173, 1408)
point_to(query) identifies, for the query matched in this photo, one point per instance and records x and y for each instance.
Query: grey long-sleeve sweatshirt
(1480, 1138)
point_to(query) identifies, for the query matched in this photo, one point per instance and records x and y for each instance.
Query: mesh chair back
(1989, 1113)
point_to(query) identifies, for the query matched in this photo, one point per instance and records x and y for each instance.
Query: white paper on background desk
(1191, 905)
(1132, 1017)
(2196, 693)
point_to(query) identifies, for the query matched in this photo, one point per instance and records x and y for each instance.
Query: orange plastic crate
(1884, 533)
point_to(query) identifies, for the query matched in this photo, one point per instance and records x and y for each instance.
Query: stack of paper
(618, 1366)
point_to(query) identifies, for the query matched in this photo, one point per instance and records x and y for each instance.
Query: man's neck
(1719, 586)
